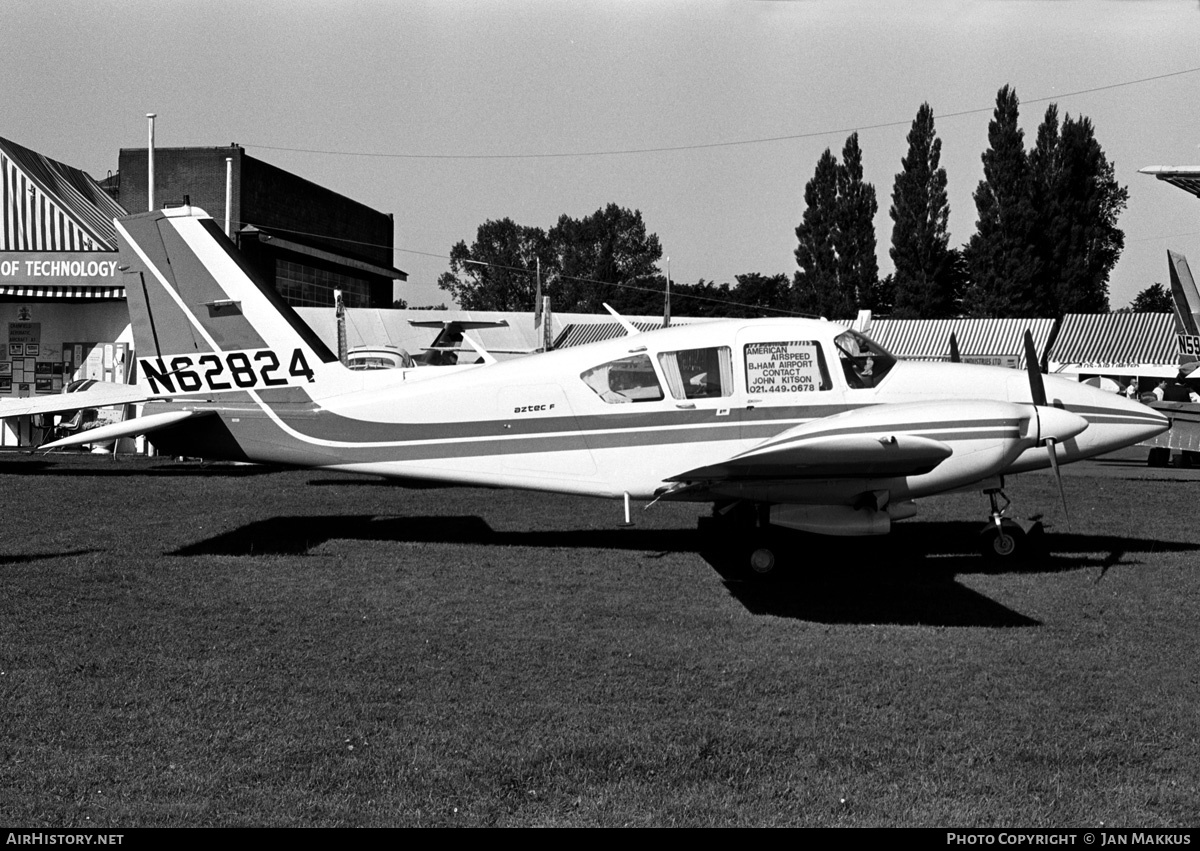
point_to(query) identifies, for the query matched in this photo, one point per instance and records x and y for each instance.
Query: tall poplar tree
(816, 282)
(1078, 200)
(925, 279)
(858, 267)
(836, 238)
(1001, 256)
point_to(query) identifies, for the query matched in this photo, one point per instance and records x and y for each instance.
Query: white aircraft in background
(778, 423)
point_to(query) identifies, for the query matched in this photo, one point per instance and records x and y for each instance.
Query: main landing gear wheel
(764, 559)
(749, 547)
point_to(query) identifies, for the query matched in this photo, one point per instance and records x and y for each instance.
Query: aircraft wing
(901, 439)
(791, 456)
(97, 394)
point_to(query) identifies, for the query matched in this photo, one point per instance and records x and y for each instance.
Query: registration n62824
(212, 372)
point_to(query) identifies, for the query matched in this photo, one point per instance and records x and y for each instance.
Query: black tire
(1160, 456)
(764, 556)
(1002, 544)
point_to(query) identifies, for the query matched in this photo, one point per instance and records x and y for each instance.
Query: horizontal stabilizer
(128, 428)
(99, 395)
(457, 324)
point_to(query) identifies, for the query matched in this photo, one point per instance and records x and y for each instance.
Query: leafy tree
(760, 295)
(591, 254)
(1154, 299)
(1078, 200)
(1001, 256)
(497, 271)
(925, 280)
(754, 295)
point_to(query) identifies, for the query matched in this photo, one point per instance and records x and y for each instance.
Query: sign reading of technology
(782, 367)
(58, 267)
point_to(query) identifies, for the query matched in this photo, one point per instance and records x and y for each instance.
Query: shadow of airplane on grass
(25, 558)
(126, 466)
(298, 535)
(908, 577)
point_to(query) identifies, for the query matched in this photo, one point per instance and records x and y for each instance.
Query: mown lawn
(189, 645)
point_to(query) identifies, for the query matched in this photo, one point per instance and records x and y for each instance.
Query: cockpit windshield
(864, 361)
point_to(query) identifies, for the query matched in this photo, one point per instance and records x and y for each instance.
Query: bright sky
(709, 117)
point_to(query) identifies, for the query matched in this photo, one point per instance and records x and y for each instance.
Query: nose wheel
(1003, 539)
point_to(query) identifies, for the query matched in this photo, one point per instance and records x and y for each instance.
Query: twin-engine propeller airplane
(779, 423)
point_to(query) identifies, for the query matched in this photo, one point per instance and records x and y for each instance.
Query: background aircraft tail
(203, 321)
(1183, 289)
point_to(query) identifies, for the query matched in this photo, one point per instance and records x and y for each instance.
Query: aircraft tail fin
(203, 320)
(1187, 298)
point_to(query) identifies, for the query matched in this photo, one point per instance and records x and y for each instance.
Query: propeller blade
(1037, 388)
(1062, 494)
(954, 355)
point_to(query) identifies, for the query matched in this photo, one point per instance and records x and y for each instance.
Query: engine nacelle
(832, 519)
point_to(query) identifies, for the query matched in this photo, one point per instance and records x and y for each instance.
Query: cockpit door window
(787, 367)
(864, 362)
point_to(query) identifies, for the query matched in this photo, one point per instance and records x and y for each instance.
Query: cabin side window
(629, 379)
(796, 366)
(698, 373)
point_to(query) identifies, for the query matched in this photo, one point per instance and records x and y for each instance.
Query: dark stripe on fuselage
(409, 441)
(259, 434)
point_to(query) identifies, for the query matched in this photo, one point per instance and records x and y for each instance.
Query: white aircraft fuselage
(815, 422)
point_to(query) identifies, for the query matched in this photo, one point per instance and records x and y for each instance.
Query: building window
(307, 286)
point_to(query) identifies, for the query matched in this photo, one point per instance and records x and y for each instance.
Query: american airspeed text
(212, 372)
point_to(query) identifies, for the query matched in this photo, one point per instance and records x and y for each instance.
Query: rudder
(203, 320)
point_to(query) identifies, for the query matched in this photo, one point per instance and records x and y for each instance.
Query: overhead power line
(706, 145)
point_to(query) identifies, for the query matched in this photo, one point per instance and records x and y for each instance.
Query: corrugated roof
(929, 339)
(49, 206)
(389, 327)
(1138, 338)
(582, 333)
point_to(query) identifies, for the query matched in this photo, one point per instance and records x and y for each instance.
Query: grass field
(212, 646)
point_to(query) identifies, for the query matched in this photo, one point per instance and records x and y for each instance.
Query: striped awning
(1001, 340)
(1111, 340)
(90, 293)
(46, 205)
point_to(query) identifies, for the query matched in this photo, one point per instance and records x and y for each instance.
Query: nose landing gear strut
(1003, 538)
